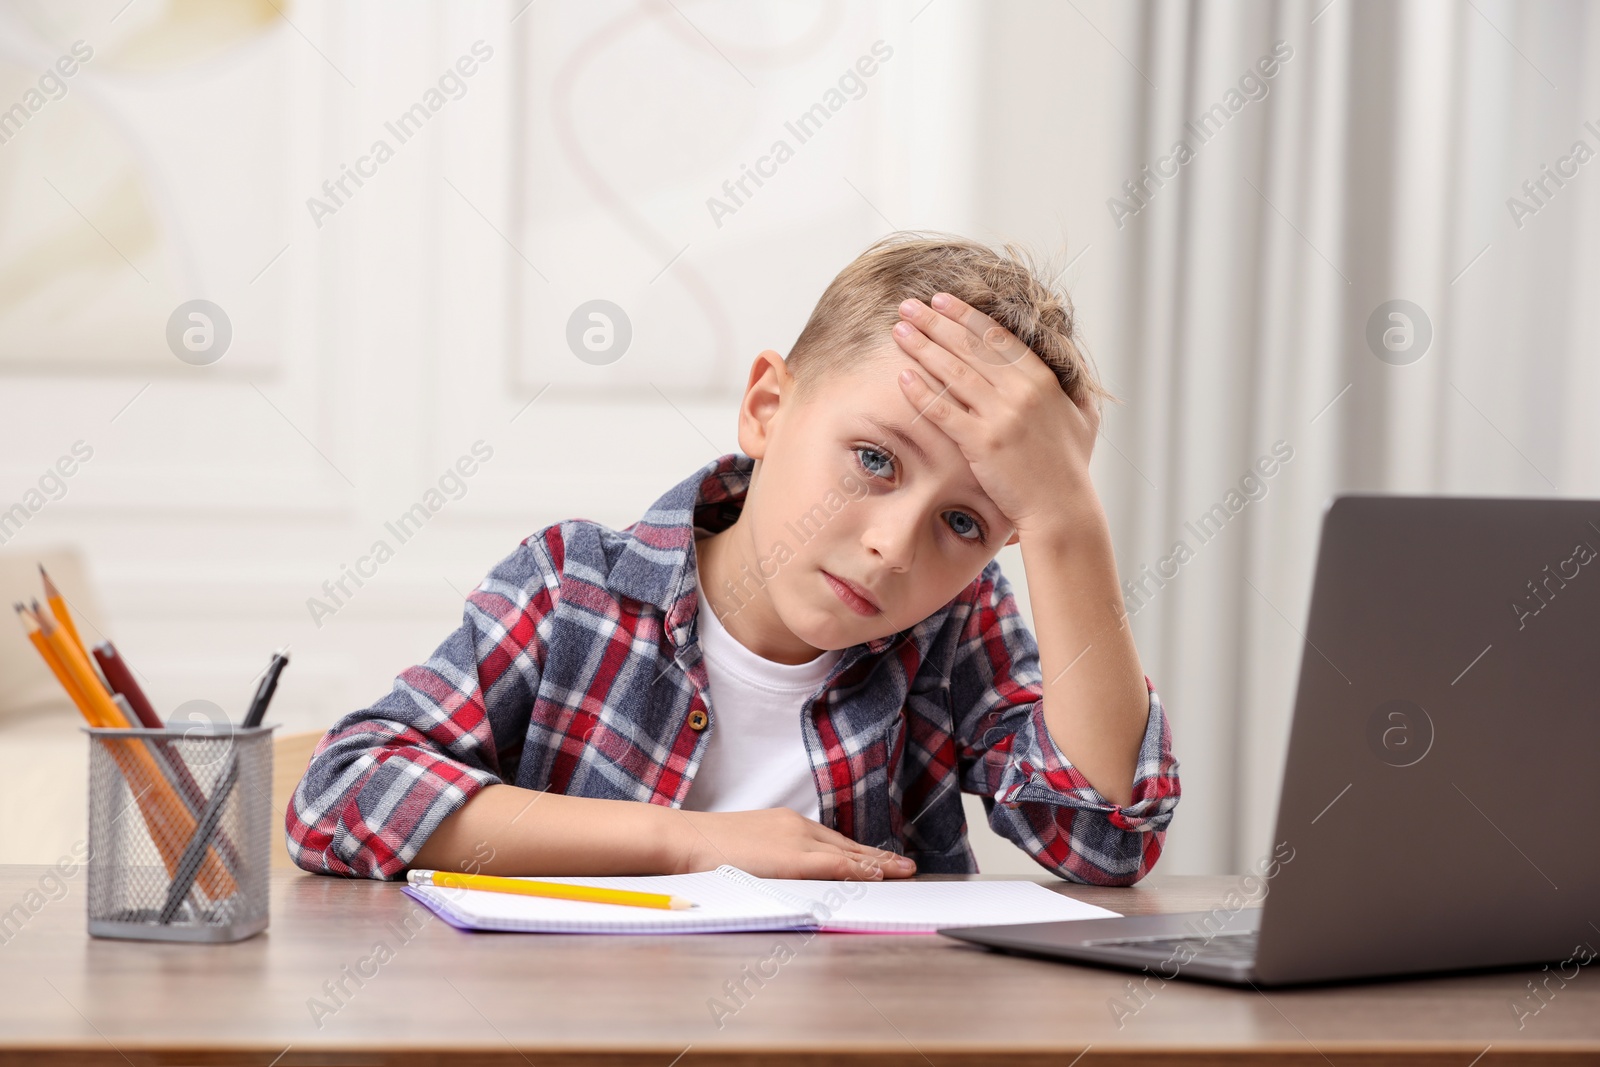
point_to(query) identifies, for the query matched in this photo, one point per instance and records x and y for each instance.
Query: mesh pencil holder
(179, 832)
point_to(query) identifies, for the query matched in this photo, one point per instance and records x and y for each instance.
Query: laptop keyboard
(1220, 947)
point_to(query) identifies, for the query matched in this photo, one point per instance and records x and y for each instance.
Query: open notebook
(728, 900)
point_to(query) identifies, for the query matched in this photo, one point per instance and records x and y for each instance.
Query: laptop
(1440, 795)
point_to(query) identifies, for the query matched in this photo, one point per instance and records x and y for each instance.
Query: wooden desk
(440, 996)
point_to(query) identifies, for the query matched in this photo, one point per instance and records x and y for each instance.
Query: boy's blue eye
(963, 525)
(964, 517)
(868, 466)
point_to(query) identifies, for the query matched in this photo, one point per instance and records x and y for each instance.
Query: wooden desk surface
(436, 995)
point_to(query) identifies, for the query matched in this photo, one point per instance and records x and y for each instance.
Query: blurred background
(269, 269)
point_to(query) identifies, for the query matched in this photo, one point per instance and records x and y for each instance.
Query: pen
(269, 685)
(117, 675)
(206, 826)
(556, 890)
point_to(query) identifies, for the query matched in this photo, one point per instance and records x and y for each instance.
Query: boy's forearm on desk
(508, 830)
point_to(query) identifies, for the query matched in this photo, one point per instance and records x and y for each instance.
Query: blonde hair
(861, 304)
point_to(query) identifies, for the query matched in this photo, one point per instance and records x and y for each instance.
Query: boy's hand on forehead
(1027, 441)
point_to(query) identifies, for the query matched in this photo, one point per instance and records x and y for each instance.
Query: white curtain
(1229, 304)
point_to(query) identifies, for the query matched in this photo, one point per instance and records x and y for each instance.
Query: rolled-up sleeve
(1035, 797)
(383, 778)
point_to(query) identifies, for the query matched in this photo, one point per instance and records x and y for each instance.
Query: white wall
(374, 345)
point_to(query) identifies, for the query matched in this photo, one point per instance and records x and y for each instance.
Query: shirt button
(697, 720)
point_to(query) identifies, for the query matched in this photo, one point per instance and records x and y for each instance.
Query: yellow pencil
(31, 625)
(558, 890)
(75, 662)
(58, 605)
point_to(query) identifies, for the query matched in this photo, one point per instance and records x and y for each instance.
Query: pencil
(58, 607)
(557, 890)
(31, 624)
(76, 663)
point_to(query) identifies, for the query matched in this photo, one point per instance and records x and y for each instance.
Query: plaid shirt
(577, 669)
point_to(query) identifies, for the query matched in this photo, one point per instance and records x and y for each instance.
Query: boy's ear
(769, 380)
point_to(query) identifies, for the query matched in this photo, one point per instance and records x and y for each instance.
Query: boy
(803, 652)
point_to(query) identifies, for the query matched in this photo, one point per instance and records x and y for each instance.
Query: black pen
(206, 825)
(269, 684)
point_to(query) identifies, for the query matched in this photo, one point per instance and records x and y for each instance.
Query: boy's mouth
(854, 596)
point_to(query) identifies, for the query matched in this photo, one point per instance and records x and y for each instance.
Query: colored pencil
(556, 890)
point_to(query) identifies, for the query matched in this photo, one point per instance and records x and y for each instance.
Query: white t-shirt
(756, 756)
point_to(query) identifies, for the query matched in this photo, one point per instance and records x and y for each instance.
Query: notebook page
(922, 907)
(722, 905)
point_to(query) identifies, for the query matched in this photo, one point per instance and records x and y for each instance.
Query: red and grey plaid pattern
(577, 665)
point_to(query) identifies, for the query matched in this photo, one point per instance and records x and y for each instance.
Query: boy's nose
(895, 544)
